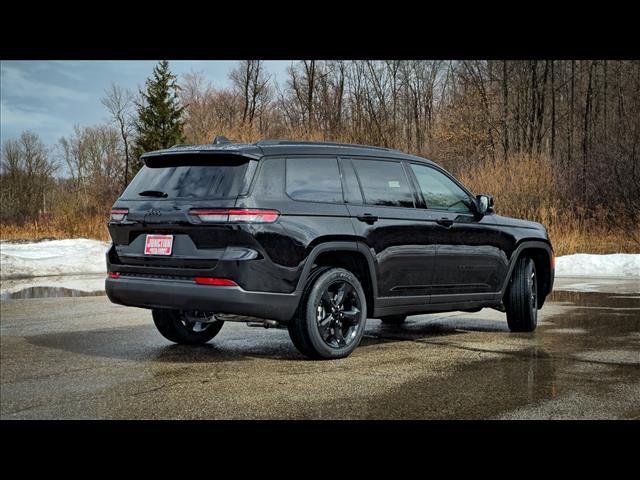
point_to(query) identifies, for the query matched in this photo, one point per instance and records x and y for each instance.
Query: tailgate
(159, 200)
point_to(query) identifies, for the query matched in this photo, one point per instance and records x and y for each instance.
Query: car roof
(264, 148)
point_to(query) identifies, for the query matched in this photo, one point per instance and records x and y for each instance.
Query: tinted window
(439, 191)
(189, 181)
(314, 180)
(384, 183)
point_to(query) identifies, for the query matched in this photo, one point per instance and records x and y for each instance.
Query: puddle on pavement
(602, 317)
(591, 347)
(623, 286)
(47, 292)
(54, 286)
(521, 378)
(595, 299)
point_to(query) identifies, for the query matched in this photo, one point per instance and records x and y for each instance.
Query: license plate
(158, 245)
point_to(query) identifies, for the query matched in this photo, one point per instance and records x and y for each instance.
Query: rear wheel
(393, 319)
(521, 299)
(330, 320)
(190, 328)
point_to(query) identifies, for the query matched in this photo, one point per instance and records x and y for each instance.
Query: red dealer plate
(158, 245)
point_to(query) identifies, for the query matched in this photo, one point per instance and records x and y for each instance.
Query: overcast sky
(49, 97)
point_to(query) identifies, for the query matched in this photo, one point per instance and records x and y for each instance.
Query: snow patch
(52, 257)
(618, 265)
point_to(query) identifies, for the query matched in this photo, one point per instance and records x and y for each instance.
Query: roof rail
(309, 142)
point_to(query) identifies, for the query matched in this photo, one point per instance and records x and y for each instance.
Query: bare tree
(27, 176)
(301, 87)
(198, 98)
(251, 82)
(93, 158)
(119, 102)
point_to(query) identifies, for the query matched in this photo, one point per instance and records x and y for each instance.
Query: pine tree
(159, 124)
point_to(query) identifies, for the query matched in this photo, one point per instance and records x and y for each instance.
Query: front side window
(439, 191)
(384, 183)
(314, 180)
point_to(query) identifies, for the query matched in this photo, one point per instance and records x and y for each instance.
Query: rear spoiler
(177, 157)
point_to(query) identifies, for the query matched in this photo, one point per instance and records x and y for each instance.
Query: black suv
(316, 238)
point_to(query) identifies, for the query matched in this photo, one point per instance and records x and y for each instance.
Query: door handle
(445, 222)
(367, 218)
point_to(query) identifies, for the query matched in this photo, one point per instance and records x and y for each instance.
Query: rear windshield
(202, 181)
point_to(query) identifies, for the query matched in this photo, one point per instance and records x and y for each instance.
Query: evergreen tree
(159, 124)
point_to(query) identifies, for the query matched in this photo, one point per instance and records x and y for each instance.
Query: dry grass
(89, 227)
(568, 239)
(526, 187)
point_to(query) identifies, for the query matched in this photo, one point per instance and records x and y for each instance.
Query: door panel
(470, 256)
(401, 242)
(403, 248)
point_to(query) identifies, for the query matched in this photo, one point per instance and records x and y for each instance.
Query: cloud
(15, 119)
(49, 97)
(24, 118)
(15, 83)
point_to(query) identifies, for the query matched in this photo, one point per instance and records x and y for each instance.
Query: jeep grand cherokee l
(316, 238)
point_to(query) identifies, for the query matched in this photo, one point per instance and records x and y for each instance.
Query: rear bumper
(187, 295)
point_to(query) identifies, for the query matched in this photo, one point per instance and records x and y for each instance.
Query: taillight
(220, 282)
(211, 215)
(237, 215)
(117, 215)
(253, 216)
(113, 275)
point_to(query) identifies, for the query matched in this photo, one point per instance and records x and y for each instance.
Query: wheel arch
(351, 255)
(542, 254)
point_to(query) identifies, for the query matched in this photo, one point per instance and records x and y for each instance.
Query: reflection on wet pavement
(623, 286)
(86, 358)
(488, 386)
(48, 292)
(52, 286)
(602, 316)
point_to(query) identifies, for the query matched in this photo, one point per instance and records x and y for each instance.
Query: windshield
(220, 180)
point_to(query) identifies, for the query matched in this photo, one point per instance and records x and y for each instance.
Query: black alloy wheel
(331, 317)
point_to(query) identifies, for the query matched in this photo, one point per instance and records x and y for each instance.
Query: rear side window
(314, 180)
(384, 183)
(201, 181)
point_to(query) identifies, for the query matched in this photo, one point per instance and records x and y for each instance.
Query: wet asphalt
(84, 358)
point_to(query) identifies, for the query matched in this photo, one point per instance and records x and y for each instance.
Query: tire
(183, 328)
(393, 319)
(314, 329)
(521, 298)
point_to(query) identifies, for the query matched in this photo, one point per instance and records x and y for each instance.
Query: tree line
(578, 120)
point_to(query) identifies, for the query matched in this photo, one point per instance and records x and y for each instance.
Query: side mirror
(485, 204)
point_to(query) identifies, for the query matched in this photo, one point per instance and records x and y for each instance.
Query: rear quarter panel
(301, 226)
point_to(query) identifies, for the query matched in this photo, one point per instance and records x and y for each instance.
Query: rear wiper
(153, 193)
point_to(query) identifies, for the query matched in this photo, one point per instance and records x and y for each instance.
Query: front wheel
(190, 328)
(521, 299)
(330, 320)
